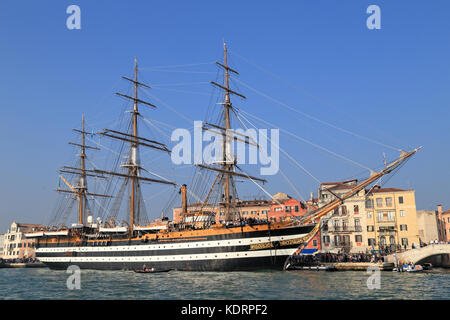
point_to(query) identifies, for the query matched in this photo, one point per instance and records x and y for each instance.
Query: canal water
(274, 285)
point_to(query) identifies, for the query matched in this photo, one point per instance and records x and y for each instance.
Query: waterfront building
(343, 229)
(16, 245)
(1, 245)
(282, 207)
(374, 219)
(246, 209)
(443, 224)
(392, 219)
(427, 221)
(285, 207)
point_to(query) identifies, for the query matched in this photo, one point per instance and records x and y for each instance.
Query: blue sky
(390, 85)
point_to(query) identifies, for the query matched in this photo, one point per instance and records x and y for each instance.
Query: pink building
(443, 224)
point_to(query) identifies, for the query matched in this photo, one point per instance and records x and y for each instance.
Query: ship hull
(234, 251)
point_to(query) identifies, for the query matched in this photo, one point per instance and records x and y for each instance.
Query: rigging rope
(314, 118)
(310, 95)
(307, 141)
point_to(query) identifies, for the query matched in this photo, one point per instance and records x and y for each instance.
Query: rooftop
(381, 190)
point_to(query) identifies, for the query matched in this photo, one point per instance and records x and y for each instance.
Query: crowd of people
(318, 258)
(22, 260)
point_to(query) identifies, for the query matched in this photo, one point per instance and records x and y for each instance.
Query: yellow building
(391, 219)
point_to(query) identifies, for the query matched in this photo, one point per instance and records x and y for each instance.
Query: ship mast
(227, 169)
(133, 166)
(134, 169)
(83, 182)
(80, 190)
(226, 165)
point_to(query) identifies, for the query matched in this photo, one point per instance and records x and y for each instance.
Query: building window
(391, 215)
(405, 242)
(389, 202)
(392, 240)
(344, 225)
(379, 202)
(370, 228)
(400, 200)
(403, 227)
(369, 203)
(369, 214)
(358, 238)
(371, 242)
(326, 239)
(296, 208)
(288, 209)
(356, 209)
(314, 243)
(337, 240)
(357, 225)
(402, 213)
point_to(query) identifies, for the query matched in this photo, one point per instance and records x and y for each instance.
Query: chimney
(439, 208)
(183, 199)
(312, 196)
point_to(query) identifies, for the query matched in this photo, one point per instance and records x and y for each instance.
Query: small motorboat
(414, 268)
(151, 270)
(409, 268)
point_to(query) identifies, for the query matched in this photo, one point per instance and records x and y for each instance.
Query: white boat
(409, 268)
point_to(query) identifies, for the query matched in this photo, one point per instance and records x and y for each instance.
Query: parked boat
(409, 268)
(151, 270)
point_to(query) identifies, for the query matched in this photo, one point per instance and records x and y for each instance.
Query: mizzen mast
(80, 190)
(226, 170)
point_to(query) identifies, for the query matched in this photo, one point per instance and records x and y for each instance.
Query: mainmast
(83, 182)
(133, 166)
(226, 165)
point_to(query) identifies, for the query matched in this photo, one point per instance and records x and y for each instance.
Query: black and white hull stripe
(207, 255)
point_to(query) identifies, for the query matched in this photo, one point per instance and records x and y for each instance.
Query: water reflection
(305, 284)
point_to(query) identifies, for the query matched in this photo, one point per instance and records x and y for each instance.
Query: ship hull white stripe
(166, 246)
(168, 258)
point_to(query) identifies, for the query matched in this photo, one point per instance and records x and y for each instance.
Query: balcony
(386, 222)
(344, 229)
(346, 246)
(387, 231)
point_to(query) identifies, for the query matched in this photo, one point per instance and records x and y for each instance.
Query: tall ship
(196, 242)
